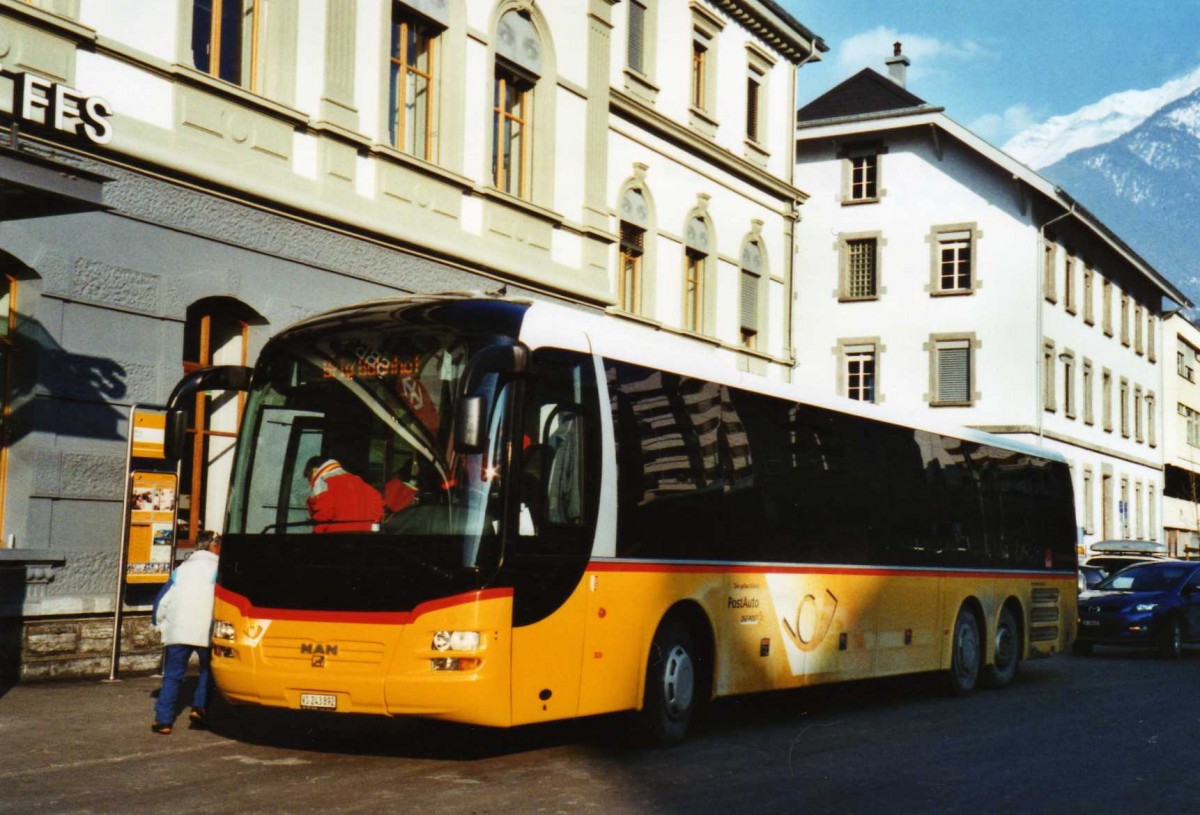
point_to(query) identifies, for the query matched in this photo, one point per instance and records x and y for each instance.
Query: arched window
(752, 295)
(216, 333)
(697, 243)
(518, 69)
(635, 221)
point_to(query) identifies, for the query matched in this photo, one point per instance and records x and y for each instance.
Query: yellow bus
(505, 512)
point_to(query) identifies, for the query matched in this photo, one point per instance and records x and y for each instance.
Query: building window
(860, 372)
(953, 259)
(695, 272)
(518, 69)
(1137, 414)
(1106, 406)
(1049, 392)
(1191, 425)
(1152, 503)
(1141, 518)
(1151, 332)
(1089, 521)
(751, 295)
(629, 285)
(1125, 319)
(1049, 276)
(693, 290)
(412, 85)
(1152, 419)
(1138, 347)
(635, 44)
(1088, 399)
(1069, 283)
(1184, 357)
(700, 45)
(1124, 406)
(754, 84)
(1089, 313)
(216, 333)
(225, 38)
(859, 267)
(1068, 366)
(1124, 508)
(1106, 306)
(952, 371)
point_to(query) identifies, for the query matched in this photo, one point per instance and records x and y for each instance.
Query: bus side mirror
(176, 434)
(468, 425)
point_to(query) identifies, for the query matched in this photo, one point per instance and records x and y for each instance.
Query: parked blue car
(1154, 604)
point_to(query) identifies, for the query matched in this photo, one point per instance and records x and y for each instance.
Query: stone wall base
(78, 647)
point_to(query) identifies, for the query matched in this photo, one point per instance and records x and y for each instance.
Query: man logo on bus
(811, 624)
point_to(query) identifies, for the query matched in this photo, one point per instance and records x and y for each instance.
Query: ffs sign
(39, 101)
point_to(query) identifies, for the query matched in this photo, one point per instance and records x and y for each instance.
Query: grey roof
(863, 94)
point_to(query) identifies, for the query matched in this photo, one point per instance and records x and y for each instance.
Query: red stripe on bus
(248, 609)
(882, 571)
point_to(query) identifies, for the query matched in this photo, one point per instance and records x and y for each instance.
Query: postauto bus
(581, 516)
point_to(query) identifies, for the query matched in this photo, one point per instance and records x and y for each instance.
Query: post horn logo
(812, 623)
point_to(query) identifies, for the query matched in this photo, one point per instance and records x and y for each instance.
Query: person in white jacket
(183, 613)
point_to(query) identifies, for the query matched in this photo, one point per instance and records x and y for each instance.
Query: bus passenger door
(557, 488)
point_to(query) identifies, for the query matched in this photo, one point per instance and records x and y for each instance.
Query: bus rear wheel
(670, 684)
(1007, 657)
(965, 652)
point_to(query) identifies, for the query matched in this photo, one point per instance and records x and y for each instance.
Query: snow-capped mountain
(1113, 116)
(1145, 185)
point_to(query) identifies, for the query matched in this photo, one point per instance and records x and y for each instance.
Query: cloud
(869, 49)
(999, 127)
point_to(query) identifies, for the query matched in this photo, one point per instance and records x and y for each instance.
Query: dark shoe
(161, 729)
(198, 717)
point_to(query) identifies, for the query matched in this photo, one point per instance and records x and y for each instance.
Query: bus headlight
(223, 630)
(455, 641)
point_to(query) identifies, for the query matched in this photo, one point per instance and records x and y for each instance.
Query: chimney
(897, 66)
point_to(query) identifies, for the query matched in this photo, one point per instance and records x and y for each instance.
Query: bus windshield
(349, 434)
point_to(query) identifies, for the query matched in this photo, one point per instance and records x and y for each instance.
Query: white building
(1181, 439)
(936, 273)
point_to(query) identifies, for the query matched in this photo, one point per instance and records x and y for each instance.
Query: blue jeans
(174, 667)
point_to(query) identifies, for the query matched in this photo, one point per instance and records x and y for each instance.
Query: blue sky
(999, 66)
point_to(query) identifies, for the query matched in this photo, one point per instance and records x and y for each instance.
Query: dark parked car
(1152, 604)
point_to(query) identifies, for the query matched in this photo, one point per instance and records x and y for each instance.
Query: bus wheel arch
(1006, 646)
(967, 648)
(679, 674)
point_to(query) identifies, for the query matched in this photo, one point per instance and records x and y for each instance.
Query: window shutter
(637, 37)
(954, 372)
(749, 301)
(752, 89)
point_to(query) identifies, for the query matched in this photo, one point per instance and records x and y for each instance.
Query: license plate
(318, 701)
(1090, 622)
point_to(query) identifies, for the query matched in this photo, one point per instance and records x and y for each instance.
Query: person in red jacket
(340, 501)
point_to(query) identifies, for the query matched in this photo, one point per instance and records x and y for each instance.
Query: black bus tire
(1006, 657)
(965, 654)
(671, 684)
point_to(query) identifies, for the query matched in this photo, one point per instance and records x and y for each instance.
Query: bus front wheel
(965, 652)
(670, 684)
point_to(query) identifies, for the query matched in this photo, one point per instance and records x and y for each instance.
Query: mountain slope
(1145, 185)
(1111, 117)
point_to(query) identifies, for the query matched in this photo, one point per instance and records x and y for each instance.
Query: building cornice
(772, 24)
(1062, 438)
(629, 108)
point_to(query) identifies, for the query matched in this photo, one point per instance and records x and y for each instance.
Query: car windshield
(351, 432)
(1147, 577)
